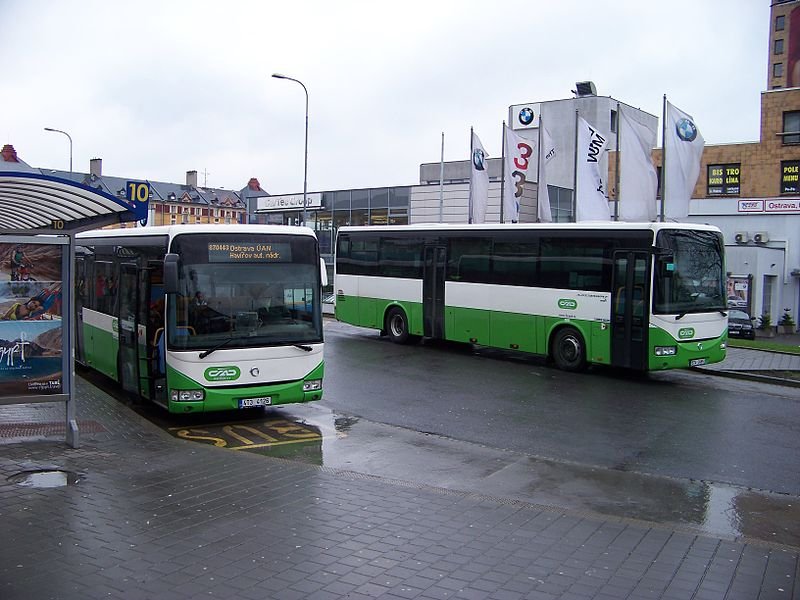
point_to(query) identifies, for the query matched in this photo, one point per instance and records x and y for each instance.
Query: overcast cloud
(156, 88)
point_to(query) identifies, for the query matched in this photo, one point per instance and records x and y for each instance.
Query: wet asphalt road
(685, 449)
(684, 425)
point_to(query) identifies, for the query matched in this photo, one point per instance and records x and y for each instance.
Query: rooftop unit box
(741, 237)
(761, 237)
(585, 88)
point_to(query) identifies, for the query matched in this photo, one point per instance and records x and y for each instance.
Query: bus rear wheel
(397, 326)
(569, 350)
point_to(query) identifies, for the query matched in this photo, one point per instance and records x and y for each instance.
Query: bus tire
(397, 326)
(568, 350)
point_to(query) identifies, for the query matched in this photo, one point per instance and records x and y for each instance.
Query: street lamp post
(70, 143)
(305, 160)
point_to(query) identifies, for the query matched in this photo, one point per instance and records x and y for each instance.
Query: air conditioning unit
(760, 237)
(741, 237)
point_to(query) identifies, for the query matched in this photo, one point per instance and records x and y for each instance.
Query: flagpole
(663, 157)
(575, 175)
(616, 175)
(502, 171)
(441, 182)
(539, 163)
(471, 136)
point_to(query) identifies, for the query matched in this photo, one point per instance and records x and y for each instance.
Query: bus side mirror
(323, 271)
(171, 273)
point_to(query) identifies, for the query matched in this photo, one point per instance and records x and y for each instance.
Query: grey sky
(159, 88)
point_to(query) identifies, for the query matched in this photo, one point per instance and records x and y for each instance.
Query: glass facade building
(370, 206)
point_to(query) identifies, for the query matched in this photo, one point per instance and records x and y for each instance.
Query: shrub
(786, 319)
(765, 321)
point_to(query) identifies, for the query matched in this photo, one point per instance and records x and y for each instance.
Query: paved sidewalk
(759, 365)
(163, 518)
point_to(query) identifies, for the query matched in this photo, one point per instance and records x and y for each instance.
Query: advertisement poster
(30, 319)
(739, 293)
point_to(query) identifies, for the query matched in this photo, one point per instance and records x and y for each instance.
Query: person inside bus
(199, 300)
(199, 316)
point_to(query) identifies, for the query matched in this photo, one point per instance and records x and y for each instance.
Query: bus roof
(585, 226)
(171, 231)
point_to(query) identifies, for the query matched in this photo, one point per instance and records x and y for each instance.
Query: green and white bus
(647, 296)
(201, 318)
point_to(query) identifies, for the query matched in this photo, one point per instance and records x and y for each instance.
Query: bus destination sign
(249, 252)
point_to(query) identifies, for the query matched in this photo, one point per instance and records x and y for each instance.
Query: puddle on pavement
(716, 509)
(45, 478)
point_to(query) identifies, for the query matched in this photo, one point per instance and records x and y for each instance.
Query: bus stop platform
(140, 514)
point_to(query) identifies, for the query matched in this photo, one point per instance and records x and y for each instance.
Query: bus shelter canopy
(37, 203)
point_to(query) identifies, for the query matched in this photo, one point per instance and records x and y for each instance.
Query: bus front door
(433, 291)
(80, 298)
(630, 309)
(144, 345)
(127, 360)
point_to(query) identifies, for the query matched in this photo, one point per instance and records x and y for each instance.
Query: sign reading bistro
(723, 180)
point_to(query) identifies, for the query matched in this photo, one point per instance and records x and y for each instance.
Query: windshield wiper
(217, 347)
(303, 347)
(678, 318)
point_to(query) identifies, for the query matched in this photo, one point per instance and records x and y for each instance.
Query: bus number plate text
(697, 362)
(254, 402)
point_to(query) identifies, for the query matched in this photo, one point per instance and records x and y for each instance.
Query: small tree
(786, 319)
(765, 321)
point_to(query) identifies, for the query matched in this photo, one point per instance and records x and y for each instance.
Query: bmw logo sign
(478, 159)
(526, 116)
(686, 130)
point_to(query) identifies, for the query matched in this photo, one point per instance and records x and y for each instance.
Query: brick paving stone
(158, 517)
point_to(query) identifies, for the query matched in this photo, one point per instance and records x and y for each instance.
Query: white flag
(520, 156)
(591, 203)
(542, 195)
(683, 149)
(478, 182)
(638, 182)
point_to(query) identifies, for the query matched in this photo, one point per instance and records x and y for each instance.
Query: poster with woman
(30, 319)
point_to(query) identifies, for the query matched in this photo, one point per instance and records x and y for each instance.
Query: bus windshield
(689, 273)
(241, 291)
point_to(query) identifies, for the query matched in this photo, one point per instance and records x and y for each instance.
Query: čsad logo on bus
(568, 303)
(228, 373)
(686, 332)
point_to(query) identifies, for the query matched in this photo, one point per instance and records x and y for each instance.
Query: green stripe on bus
(227, 398)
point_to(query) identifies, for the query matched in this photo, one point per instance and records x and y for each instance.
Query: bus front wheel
(397, 326)
(569, 350)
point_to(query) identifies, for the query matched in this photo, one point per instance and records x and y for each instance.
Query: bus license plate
(697, 362)
(254, 402)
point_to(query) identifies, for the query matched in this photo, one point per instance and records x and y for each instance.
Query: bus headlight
(666, 350)
(312, 385)
(186, 395)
